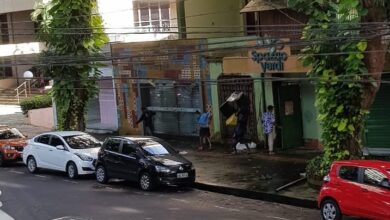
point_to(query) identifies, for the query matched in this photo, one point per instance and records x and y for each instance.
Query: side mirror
(60, 147)
(385, 183)
(183, 152)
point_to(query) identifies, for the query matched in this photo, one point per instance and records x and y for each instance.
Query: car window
(55, 141)
(113, 145)
(373, 177)
(349, 173)
(83, 141)
(128, 148)
(154, 147)
(10, 134)
(44, 139)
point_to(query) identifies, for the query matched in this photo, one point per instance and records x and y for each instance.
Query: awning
(264, 5)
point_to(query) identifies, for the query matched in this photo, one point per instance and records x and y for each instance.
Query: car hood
(21, 142)
(170, 160)
(92, 152)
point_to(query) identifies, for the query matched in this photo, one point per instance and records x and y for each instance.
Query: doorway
(288, 114)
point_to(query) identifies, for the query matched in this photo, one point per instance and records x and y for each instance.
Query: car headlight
(84, 157)
(9, 147)
(161, 169)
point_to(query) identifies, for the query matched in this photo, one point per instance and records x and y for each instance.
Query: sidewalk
(257, 171)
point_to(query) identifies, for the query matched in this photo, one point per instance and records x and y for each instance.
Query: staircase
(8, 97)
(15, 95)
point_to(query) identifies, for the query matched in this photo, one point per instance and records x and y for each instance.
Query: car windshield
(83, 141)
(10, 133)
(154, 148)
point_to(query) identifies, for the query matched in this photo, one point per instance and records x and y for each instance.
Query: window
(84, 141)
(152, 16)
(373, 177)
(10, 134)
(128, 148)
(44, 139)
(113, 145)
(153, 147)
(349, 173)
(56, 141)
(4, 38)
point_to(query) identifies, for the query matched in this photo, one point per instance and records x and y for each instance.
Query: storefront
(169, 75)
(273, 73)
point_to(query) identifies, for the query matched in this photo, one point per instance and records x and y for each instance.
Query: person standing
(204, 127)
(241, 127)
(268, 120)
(147, 118)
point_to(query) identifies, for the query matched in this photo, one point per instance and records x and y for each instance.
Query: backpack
(204, 119)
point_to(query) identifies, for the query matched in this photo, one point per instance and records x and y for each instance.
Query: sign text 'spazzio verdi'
(270, 61)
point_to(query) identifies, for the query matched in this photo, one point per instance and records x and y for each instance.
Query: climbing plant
(73, 33)
(340, 51)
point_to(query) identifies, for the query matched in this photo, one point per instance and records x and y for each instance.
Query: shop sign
(274, 59)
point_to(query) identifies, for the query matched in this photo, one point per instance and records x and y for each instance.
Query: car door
(128, 161)
(57, 158)
(375, 197)
(41, 151)
(349, 189)
(112, 156)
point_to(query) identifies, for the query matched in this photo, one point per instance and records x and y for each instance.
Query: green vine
(336, 56)
(73, 32)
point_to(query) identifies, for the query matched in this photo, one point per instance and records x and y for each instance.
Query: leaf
(339, 109)
(342, 126)
(362, 46)
(351, 127)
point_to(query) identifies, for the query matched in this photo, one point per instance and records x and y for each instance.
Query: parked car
(12, 143)
(149, 161)
(72, 152)
(358, 188)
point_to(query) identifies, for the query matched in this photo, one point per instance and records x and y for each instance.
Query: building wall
(213, 13)
(178, 66)
(15, 5)
(311, 127)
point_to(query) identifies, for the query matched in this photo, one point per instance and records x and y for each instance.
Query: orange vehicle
(12, 143)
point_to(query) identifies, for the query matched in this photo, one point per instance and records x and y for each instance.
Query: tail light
(326, 179)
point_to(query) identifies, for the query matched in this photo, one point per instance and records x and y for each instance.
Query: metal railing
(20, 90)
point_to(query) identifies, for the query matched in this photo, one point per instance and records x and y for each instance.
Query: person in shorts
(204, 128)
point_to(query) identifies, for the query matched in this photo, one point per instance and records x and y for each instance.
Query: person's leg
(271, 143)
(148, 131)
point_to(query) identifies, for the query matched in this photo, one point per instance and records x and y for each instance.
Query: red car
(12, 143)
(359, 188)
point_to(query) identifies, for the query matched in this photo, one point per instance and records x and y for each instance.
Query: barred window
(152, 16)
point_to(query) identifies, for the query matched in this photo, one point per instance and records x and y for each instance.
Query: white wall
(15, 5)
(119, 18)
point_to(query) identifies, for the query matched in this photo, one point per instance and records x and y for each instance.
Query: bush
(313, 169)
(36, 102)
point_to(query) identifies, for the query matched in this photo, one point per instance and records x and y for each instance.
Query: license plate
(182, 175)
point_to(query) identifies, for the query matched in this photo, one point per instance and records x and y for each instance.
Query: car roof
(365, 163)
(64, 133)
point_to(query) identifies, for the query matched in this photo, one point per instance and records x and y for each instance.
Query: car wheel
(32, 164)
(1, 160)
(71, 170)
(146, 182)
(101, 174)
(330, 210)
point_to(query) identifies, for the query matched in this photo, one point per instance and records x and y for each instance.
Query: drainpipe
(181, 19)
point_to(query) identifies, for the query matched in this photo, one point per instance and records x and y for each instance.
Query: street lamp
(28, 75)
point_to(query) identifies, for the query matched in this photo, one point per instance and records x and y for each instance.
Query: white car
(72, 152)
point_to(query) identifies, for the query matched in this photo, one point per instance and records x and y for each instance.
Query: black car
(147, 160)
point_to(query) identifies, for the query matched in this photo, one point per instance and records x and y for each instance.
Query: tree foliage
(339, 60)
(73, 32)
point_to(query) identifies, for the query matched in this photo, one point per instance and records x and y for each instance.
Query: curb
(268, 197)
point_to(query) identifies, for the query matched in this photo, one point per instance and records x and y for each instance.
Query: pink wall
(41, 117)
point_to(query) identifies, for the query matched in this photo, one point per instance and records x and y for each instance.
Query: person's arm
(141, 118)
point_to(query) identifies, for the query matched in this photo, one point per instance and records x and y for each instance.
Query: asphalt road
(50, 195)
